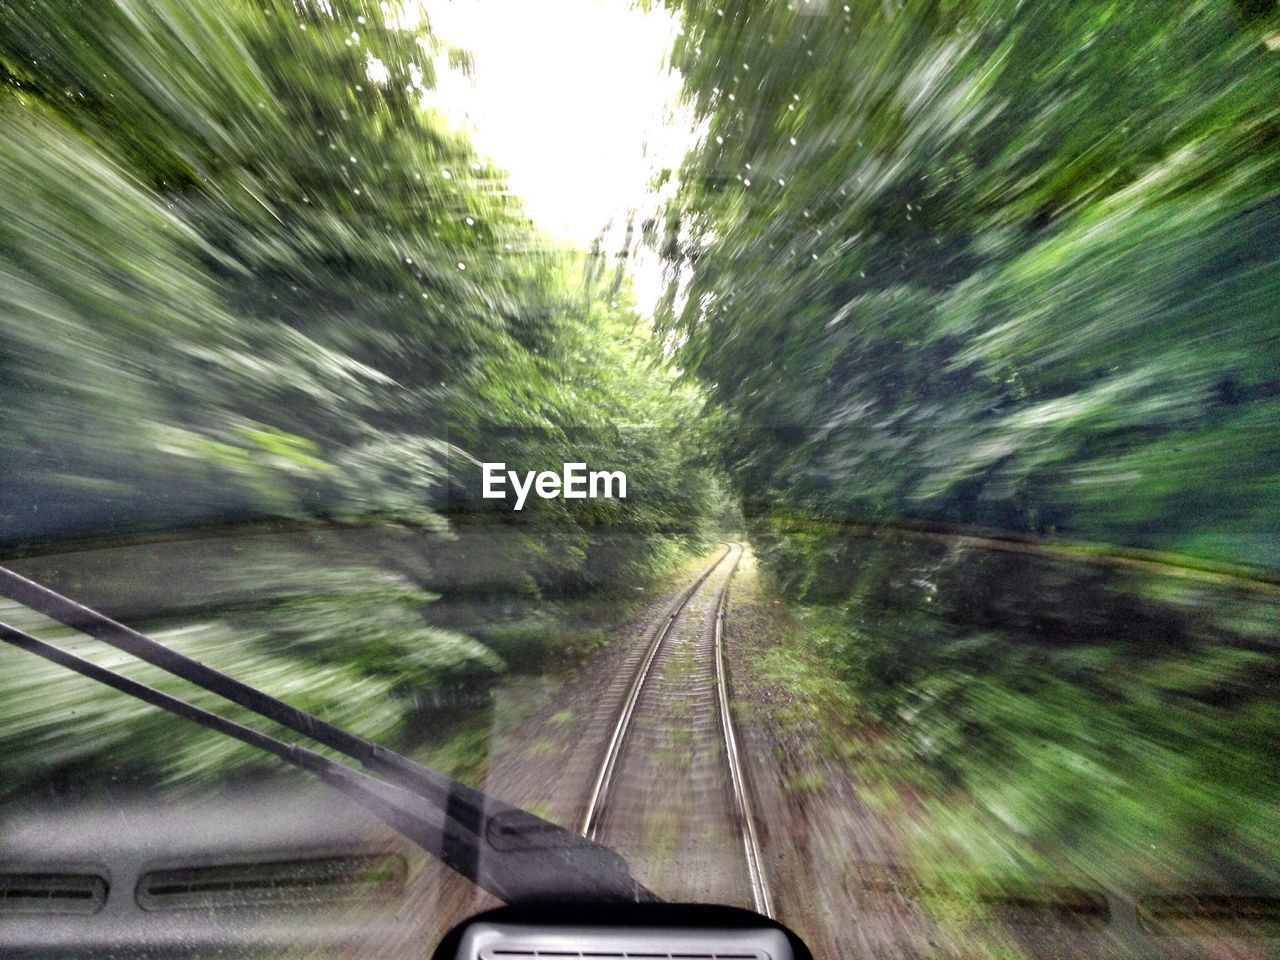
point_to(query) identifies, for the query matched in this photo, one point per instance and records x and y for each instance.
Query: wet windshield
(827, 453)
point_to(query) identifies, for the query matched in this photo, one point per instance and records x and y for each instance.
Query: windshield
(809, 456)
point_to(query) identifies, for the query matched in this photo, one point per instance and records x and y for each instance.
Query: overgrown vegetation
(1014, 713)
(1006, 266)
(976, 263)
(249, 276)
(1001, 264)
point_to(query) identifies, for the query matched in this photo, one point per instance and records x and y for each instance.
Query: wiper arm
(391, 802)
(507, 851)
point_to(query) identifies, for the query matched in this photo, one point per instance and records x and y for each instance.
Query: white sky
(575, 100)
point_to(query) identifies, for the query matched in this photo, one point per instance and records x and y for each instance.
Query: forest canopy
(250, 274)
(1000, 264)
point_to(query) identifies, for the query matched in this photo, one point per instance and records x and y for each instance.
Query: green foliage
(348, 643)
(1008, 264)
(247, 274)
(1044, 713)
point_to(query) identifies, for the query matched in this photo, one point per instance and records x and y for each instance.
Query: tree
(989, 264)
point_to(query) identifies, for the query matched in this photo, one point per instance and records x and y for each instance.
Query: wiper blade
(391, 801)
(509, 852)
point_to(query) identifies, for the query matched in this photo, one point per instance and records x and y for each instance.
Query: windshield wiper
(509, 852)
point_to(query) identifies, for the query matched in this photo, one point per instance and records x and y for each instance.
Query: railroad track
(660, 681)
(742, 796)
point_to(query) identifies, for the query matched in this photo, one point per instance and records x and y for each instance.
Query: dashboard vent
(1216, 915)
(274, 883)
(74, 893)
(1008, 901)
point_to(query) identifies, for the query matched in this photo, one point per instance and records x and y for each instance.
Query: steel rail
(742, 797)
(608, 764)
(745, 814)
